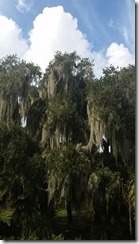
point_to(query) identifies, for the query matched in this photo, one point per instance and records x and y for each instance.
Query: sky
(101, 30)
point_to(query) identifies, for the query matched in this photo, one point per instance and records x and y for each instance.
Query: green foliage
(35, 117)
(62, 109)
(114, 94)
(69, 171)
(61, 213)
(59, 237)
(16, 76)
(5, 215)
(106, 181)
(67, 159)
(24, 185)
(129, 193)
(34, 181)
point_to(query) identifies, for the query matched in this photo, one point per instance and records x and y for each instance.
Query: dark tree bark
(69, 212)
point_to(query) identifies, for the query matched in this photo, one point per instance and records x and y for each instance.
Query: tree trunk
(69, 212)
(130, 222)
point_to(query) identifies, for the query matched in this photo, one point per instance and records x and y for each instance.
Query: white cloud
(100, 62)
(116, 54)
(24, 5)
(119, 55)
(54, 30)
(11, 41)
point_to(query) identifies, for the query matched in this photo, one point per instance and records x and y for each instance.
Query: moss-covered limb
(16, 78)
(109, 101)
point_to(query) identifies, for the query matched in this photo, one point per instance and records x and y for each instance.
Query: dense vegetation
(67, 151)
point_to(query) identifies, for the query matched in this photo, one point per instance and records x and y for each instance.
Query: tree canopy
(67, 141)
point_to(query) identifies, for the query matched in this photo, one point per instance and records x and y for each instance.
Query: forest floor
(82, 228)
(79, 229)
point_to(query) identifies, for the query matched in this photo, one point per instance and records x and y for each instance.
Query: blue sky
(103, 30)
